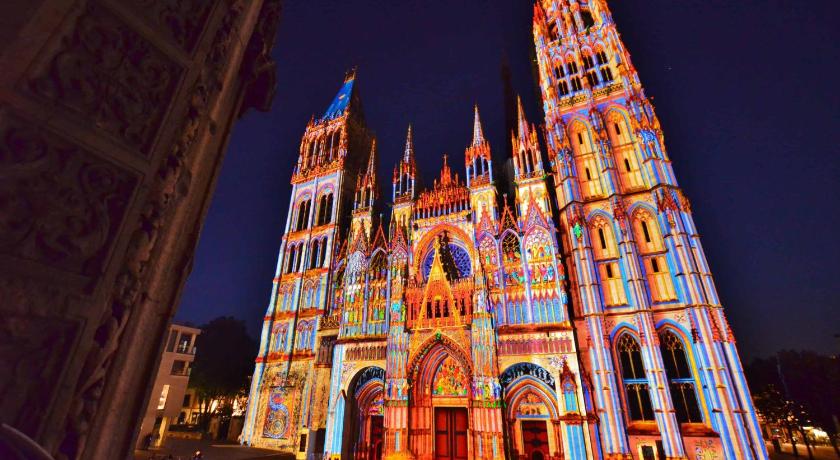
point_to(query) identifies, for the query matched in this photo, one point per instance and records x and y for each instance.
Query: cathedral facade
(572, 318)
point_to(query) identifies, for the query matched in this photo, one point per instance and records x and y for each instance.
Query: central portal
(451, 433)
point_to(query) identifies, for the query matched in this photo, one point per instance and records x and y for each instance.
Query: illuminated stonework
(454, 331)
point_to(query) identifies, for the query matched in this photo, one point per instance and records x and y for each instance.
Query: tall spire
(523, 123)
(341, 101)
(366, 187)
(408, 156)
(477, 155)
(371, 166)
(478, 134)
(405, 171)
(445, 172)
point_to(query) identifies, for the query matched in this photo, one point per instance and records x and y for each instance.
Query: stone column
(115, 118)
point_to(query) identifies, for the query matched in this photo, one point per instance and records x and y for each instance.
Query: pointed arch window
(290, 259)
(603, 66)
(680, 378)
(589, 68)
(573, 75)
(377, 286)
(646, 232)
(634, 379)
(624, 151)
(333, 146)
(303, 209)
(298, 257)
(563, 88)
(601, 56)
(586, 19)
(304, 336)
(603, 244)
(552, 30)
(315, 248)
(325, 204)
(512, 260)
(323, 253)
(612, 284)
(279, 339)
(378, 267)
(586, 164)
(310, 159)
(659, 279)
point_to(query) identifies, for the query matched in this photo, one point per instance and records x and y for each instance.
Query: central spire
(522, 122)
(408, 156)
(371, 166)
(445, 172)
(478, 134)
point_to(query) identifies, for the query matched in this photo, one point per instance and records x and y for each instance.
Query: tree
(224, 360)
(806, 382)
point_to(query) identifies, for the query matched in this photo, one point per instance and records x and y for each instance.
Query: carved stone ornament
(59, 205)
(181, 20)
(171, 184)
(109, 77)
(29, 336)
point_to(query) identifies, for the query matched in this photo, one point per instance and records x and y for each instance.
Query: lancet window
(354, 293)
(612, 284)
(314, 252)
(634, 380)
(603, 66)
(646, 232)
(624, 151)
(603, 239)
(568, 77)
(325, 207)
(293, 258)
(680, 378)
(512, 260)
(310, 295)
(651, 246)
(586, 19)
(586, 164)
(322, 254)
(540, 259)
(377, 287)
(303, 208)
(279, 334)
(589, 68)
(304, 341)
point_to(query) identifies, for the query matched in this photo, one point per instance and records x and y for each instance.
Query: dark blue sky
(746, 92)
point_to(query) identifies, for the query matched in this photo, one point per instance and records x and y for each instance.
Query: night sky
(746, 92)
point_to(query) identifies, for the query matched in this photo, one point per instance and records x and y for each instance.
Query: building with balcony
(170, 385)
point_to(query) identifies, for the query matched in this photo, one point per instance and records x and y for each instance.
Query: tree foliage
(796, 389)
(224, 360)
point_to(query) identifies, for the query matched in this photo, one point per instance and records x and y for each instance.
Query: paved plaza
(184, 449)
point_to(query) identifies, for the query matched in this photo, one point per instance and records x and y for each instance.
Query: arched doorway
(363, 416)
(531, 411)
(439, 423)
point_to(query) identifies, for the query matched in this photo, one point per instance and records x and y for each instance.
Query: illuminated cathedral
(554, 305)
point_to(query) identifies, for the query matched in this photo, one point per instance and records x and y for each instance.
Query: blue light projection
(459, 254)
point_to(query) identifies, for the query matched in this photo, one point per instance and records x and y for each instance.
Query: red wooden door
(535, 439)
(376, 437)
(451, 427)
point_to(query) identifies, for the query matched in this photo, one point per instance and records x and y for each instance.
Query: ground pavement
(183, 449)
(820, 452)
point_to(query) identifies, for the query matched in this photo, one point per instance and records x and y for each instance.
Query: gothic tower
(454, 332)
(325, 195)
(650, 325)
